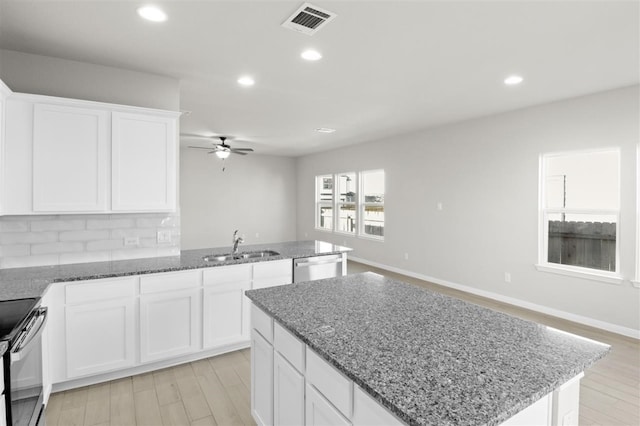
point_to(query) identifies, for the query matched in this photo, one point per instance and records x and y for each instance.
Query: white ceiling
(389, 67)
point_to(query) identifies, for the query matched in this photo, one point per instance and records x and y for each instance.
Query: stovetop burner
(12, 314)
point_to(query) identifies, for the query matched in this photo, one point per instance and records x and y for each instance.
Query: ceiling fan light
(223, 154)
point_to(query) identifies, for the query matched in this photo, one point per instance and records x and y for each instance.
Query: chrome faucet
(236, 241)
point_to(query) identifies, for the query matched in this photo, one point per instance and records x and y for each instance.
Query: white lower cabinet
(288, 393)
(369, 412)
(99, 337)
(261, 379)
(269, 274)
(320, 412)
(225, 307)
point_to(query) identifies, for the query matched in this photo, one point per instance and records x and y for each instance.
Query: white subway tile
(27, 237)
(15, 250)
(138, 253)
(27, 261)
(66, 247)
(134, 232)
(58, 225)
(105, 245)
(84, 235)
(110, 223)
(84, 257)
(168, 251)
(13, 225)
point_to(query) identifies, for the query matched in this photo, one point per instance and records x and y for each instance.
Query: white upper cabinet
(143, 162)
(4, 93)
(70, 159)
(72, 156)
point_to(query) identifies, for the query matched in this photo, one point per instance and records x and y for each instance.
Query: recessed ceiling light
(325, 130)
(311, 55)
(246, 81)
(513, 80)
(152, 13)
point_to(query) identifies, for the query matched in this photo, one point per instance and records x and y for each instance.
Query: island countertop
(17, 283)
(429, 358)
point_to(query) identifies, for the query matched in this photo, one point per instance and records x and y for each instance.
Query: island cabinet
(73, 156)
(292, 384)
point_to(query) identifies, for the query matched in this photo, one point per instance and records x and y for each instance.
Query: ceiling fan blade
(192, 135)
(242, 149)
(238, 152)
(200, 147)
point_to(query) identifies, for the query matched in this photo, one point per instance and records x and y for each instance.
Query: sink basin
(246, 255)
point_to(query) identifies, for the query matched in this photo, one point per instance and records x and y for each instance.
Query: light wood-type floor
(216, 390)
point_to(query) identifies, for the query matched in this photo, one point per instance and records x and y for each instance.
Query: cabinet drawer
(289, 346)
(319, 412)
(227, 274)
(275, 268)
(262, 323)
(156, 283)
(100, 290)
(330, 382)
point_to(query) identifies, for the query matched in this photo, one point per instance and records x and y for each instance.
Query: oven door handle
(32, 334)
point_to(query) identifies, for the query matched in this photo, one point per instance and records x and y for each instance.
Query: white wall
(45, 75)
(255, 194)
(485, 173)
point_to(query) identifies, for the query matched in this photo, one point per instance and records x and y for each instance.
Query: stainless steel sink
(246, 255)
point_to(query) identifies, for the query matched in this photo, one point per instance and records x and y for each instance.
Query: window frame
(319, 203)
(363, 205)
(543, 226)
(636, 281)
(338, 203)
(335, 203)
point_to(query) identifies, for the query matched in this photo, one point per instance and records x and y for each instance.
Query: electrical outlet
(306, 234)
(131, 241)
(507, 277)
(257, 235)
(439, 205)
(164, 236)
(406, 256)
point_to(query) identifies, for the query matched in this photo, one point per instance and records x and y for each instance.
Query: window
(339, 207)
(346, 203)
(324, 202)
(580, 199)
(372, 206)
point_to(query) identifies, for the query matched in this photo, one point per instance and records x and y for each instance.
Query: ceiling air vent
(308, 19)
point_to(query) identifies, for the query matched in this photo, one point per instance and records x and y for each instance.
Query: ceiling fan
(222, 150)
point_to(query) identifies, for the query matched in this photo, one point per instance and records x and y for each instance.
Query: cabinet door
(4, 92)
(70, 158)
(169, 324)
(261, 380)
(288, 393)
(100, 337)
(369, 412)
(226, 314)
(143, 162)
(319, 411)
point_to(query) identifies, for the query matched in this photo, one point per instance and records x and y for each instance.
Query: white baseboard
(603, 325)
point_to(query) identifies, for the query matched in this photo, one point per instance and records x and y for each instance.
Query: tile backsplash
(61, 239)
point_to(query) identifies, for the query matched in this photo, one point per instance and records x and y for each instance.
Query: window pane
(583, 180)
(373, 186)
(347, 218)
(324, 188)
(584, 240)
(347, 187)
(325, 217)
(374, 220)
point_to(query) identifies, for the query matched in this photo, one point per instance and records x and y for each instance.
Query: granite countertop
(429, 358)
(18, 283)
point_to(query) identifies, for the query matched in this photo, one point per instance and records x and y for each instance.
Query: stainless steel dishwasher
(317, 268)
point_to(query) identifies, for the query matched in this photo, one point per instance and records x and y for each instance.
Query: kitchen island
(362, 347)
